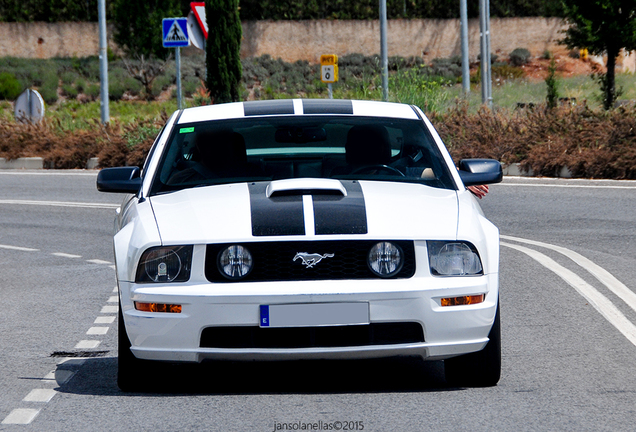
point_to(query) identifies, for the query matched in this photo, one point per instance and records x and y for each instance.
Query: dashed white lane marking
(65, 255)
(113, 299)
(601, 303)
(21, 416)
(98, 261)
(97, 331)
(40, 395)
(109, 309)
(61, 204)
(18, 248)
(104, 320)
(87, 344)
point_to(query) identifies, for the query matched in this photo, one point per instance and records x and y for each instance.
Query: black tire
(130, 370)
(479, 369)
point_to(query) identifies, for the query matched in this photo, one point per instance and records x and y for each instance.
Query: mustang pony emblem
(311, 260)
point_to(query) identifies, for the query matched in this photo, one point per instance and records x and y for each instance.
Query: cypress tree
(223, 50)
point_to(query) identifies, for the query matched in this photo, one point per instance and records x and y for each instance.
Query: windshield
(273, 148)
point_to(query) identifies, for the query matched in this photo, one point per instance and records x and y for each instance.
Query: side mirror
(480, 171)
(121, 179)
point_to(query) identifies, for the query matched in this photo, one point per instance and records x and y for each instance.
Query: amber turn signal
(158, 307)
(463, 300)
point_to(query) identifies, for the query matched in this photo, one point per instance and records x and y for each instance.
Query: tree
(603, 27)
(223, 50)
(138, 25)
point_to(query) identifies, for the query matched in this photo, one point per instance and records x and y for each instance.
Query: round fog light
(385, 259)
(235, 262)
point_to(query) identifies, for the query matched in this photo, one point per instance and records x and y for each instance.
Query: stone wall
(307, 40)
(46, 40)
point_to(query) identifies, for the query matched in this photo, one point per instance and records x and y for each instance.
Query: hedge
(86, 10)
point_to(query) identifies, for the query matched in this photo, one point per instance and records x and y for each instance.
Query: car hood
(329, 209)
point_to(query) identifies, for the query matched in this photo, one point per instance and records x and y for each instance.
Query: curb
(22, 163)
(36, 163)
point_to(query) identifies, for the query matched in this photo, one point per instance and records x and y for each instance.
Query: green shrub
(48, 89)
(69, 91)
(519, 56)
(10, 87)
(92, 91)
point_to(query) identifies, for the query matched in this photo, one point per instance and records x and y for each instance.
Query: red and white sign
(198, 8)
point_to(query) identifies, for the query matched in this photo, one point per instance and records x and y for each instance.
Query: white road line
(603, 276)
(109, 309)
(104, 320)
(113, 299)
(65, 255)
(61, 204)
(605, 307)
(547, 185)
(40, 395)
(18, 248)
(87, 344)
(98, 261)
(21, 416)
(97, 331)
(50, 173)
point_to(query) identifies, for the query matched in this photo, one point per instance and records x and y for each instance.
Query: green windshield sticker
(186, 130)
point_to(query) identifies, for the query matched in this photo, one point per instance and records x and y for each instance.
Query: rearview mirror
(120, 179)
(480, 171)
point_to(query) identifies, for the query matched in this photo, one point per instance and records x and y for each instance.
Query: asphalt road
(568, 352)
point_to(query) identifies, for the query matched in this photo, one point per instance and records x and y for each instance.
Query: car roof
(298, 107)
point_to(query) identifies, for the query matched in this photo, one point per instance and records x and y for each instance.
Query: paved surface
(567, 363)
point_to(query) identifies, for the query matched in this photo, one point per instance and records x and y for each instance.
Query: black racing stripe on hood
(335, 214)
(270, 107)
(327, 106)
(275, 216)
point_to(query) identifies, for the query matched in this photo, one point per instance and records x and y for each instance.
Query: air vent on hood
(305, 186)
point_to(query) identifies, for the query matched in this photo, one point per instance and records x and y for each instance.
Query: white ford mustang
(305, 229)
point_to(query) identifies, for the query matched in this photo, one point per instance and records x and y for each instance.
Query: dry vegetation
(114, 144)
(591, 143)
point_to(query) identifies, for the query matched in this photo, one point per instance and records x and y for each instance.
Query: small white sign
(327, 73)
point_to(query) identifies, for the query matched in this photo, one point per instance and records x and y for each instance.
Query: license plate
(314, 314)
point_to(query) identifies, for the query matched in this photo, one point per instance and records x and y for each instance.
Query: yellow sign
(328, 59)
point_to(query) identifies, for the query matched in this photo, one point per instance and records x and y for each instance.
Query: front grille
(312, 337)
(274, 261)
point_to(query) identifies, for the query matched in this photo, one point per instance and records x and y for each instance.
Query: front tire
(130, 370)
(479, 369)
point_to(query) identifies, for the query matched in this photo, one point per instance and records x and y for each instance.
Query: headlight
(165, 264)
(235, 262)
(385, 259)
(453, 259)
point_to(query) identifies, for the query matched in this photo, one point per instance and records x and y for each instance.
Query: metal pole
(177, 57)
(463, 18)
(489, 81)
(485, 53)
(103, 61)
(383, 51)
(330, 88)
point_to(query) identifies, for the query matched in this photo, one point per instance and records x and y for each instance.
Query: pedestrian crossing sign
(175, 32)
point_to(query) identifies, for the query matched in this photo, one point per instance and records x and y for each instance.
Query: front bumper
(448, 331)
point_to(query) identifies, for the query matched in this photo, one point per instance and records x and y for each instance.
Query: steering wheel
(379, 167)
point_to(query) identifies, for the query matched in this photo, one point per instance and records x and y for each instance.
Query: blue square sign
(175, 32)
